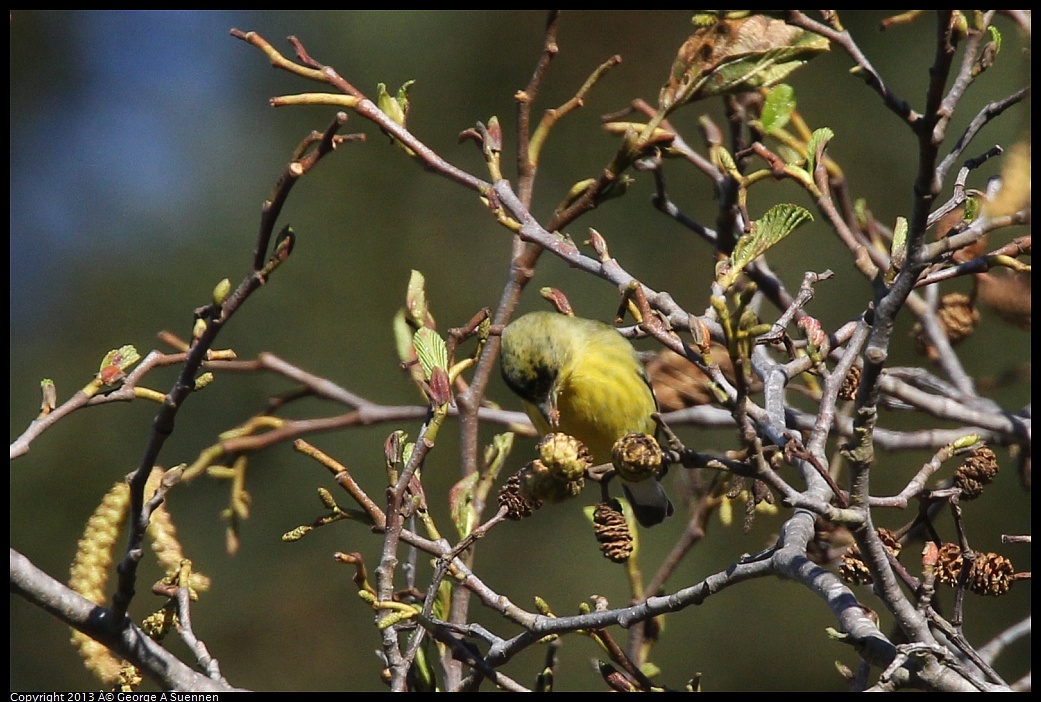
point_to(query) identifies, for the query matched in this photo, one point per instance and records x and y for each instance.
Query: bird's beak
(549, 410)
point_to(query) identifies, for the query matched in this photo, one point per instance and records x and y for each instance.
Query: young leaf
(819, 138)
(395, 107)
(460, 500)
(431, 351)
(403, 338)
(777, 223)
(778, 108)
(416, 301)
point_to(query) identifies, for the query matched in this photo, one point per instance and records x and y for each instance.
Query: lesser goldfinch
(581, 377)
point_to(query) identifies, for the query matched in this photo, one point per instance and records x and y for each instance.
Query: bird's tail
(650, 503)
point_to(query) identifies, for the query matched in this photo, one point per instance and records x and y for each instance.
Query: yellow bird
(581, 377)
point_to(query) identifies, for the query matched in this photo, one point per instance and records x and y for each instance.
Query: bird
(583, 378)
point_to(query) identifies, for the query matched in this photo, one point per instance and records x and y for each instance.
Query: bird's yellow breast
(603, 395)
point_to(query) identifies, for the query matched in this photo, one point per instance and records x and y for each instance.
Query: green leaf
(416, 300)
(443, 601)
(650, 670)
(461, 503)
(394, 107)
(898, 251)
(725, 161)
(403, 338)
(422, 676)
(790, 155)
(860, 212)
(777, 223)
(995, 36)
(778, 108)
(431, 351)
(496, 453)
(819, 138)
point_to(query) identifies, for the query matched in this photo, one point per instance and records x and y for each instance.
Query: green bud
(123, 358)
(965, 441)
(220, 292)
(50, 396)
(394, 107)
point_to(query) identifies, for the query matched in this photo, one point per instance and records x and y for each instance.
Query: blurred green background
(142, 146)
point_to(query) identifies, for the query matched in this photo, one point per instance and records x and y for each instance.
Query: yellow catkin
(163, 535)
(95, 552)
(88, 575)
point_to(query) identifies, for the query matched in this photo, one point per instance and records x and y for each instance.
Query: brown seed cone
(978, 470)
(948, 564)
(850, 384)
(612, 531)
(566, 457)
(517, 506)
(538, 482)
(637, 457)
(991, 575)
(958, 318)
(853, 570)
